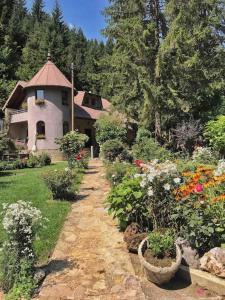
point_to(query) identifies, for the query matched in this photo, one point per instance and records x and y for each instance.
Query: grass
(27, 185)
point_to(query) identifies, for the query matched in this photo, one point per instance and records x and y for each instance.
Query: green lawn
(28, 185)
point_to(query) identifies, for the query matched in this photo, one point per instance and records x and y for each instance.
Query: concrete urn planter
(158, 275)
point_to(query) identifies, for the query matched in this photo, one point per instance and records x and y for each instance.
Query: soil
(158, 262)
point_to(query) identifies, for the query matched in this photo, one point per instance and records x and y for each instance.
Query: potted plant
(159, 256)
(39, 101)
(40, 136)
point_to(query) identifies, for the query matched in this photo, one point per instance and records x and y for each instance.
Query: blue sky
(81, 13)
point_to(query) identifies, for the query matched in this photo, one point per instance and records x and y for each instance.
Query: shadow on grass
(6, 173)
(57, 265)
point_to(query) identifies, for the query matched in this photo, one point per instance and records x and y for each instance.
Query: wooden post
(72, 100)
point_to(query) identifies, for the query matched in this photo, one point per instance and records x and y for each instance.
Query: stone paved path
(90, 261)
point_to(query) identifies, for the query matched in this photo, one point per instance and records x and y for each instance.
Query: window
(93, 102)
(39, 94)
(65, 98)
(65, 127)
(41, 129)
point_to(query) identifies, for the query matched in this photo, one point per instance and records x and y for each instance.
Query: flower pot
(156, 274)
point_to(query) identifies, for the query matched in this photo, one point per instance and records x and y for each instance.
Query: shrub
(110, 127)
(215, 133)
(33, 161)
(44, 159)
(186, 135)
(147, 149)
(71, 144)
(6, 144)
(116, 172)
(110, 150)
(127, 203)
(161, 244)
(81, 160)
(159, 181)
(60, 182)
(205, 155)
(199, 213)
(20, 222)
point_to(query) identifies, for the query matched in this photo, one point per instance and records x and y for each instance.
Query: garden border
(203, 279)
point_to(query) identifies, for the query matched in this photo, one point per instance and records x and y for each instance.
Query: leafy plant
(215, 133)
(33, 161)
(60, 182)
(127, 203)
(147, 149)
(109, 127)
(111, 150)
(116, 172)
(71, 144)
(44, 159)
(20, 222)
(161, 244)
(205, 155)
(186, 135)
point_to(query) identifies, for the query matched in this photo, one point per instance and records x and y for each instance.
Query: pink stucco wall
(53, 113)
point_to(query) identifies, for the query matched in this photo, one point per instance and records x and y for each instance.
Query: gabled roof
(49, 75)
(85, 112)
(16, 95)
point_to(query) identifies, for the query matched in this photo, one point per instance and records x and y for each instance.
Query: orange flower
(219, 198)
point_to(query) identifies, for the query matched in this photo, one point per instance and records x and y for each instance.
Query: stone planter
(156, 274)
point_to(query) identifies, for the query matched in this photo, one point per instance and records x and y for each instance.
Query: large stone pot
(158, 275)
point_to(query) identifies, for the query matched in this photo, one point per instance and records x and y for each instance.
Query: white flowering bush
(204, 155)
(220, 170)
(159, 181)
(21, 221)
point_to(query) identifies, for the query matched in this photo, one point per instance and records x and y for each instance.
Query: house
(39, 111)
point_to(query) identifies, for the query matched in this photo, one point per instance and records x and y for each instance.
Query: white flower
(143, 183)
(166, 187)
(67, 169)
(150, 192)
(150, 177)
(177, 180)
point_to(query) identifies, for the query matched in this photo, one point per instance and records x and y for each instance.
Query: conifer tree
(37, 11)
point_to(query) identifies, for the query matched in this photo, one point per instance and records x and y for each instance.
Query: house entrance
(88, 132)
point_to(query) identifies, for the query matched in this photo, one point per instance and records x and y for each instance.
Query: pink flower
(138, 163)
(198, 188)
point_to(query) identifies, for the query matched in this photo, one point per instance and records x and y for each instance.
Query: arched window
(41, 128)
(65, 127)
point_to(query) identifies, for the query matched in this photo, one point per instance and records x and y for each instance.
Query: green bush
(203, 155)
(112, 149)
(147, 149)
(127, 203)
(44, 159)
(109, 127)
(71, 144)
(201, 223)
(215, 133)
(60, 182)
(33, 161)
(116, 172)
(161, 244)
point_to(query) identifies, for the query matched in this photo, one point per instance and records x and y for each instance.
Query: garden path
(90, 261)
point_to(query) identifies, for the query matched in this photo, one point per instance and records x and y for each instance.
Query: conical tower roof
(49, 75)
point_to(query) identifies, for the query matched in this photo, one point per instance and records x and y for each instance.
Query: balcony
(17, 116)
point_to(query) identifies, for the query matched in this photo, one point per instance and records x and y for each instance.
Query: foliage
(71, 144)
(127, 203)
(204, 155)
(81, 160)
(21, 221)
(29, 186)
(158, 181)
(199, 212)
(33, 161)
(60, 182)
(6, 143)
(112, 149)
(44, 159)
(109, 127)
(186, 135)
(147, 149)
(215, 133)
(116, 172)
(161, 244)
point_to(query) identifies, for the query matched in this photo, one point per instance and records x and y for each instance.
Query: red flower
(138, 163)
(78, 157)
(198, 188)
